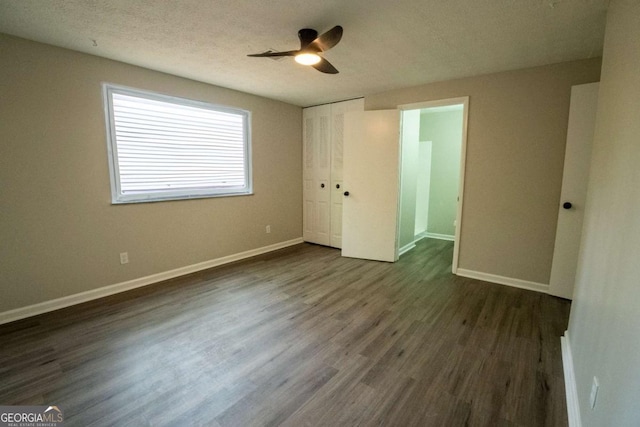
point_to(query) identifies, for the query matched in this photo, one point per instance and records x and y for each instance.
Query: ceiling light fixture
(307, 58)
(311, 46)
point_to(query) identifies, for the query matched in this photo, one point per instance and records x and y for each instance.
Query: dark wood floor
(301, 337)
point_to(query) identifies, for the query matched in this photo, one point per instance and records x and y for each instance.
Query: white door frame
(463, 159)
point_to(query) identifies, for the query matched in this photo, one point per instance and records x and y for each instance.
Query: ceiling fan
(311, 45)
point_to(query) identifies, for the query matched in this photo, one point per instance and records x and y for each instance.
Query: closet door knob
(337, 185)
(321, 185)
(567, 205)
(346, 194)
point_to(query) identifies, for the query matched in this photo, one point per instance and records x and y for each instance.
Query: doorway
(432, 159)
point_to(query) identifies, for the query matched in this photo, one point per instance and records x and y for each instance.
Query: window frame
(118, 197)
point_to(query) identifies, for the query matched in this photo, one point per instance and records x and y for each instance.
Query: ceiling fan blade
(270, 54)
(327, 40)
(325, 67)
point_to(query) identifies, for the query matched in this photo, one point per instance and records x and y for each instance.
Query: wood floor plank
(299, 337)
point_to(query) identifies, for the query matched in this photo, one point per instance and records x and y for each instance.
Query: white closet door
(316, 173)
(323, 176)
(308, 197)
(338, 111)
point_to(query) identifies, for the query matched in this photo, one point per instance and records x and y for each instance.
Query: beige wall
(604, 327)
(59, 233)
(516, 137)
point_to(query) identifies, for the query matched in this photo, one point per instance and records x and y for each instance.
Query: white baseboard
(439, 236)
(406, 248)
(571, 390)
(56, 304)
(501, 280)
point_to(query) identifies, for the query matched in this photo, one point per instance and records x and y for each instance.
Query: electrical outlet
(594, 392)
(268, 229)
(124, 257)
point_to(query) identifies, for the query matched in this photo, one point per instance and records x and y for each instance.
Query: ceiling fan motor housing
(306, 36)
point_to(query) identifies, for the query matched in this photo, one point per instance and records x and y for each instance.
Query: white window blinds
(170, 148)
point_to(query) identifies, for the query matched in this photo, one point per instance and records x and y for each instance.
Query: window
(166, 148)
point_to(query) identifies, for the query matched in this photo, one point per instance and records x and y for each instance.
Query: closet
(322, 135)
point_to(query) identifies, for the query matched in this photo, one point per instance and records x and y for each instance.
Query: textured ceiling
(386, 44)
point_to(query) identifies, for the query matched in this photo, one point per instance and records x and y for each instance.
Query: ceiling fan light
(307, 58)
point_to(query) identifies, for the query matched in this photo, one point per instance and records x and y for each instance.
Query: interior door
(338, 111)
(582, 115)
(316, 172)
(370, 174)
